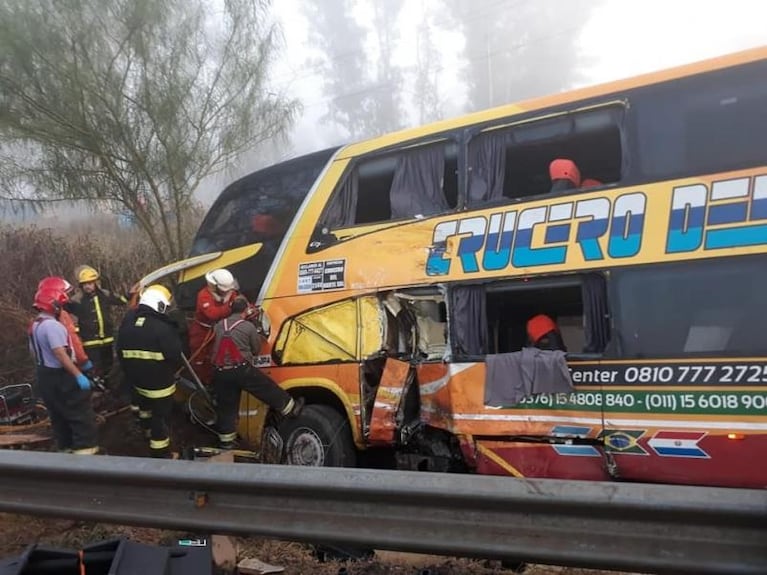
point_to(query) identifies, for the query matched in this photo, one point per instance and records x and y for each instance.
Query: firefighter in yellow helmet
(149, 351)
(91, 306)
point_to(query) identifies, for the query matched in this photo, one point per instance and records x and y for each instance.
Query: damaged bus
(397, 276)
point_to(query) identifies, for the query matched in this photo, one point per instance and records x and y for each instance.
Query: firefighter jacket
(81, 358)
(208, 311)
(149, 351)
(93, 319)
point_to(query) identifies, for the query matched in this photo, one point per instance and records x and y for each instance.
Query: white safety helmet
(157, 297)
(222, 279)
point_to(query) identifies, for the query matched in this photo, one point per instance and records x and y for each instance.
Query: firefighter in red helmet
(543, 333)
(58, 283)
(63, 387)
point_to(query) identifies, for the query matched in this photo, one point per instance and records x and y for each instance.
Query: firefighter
(237, 343)
(90, 305)
(214, 302)
(149, 351)
(60, 284)
(543, 333)
(64, 389)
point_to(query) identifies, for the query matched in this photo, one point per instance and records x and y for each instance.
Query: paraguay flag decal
(678, 444)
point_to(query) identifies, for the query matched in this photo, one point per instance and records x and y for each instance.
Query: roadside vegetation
(30, 253)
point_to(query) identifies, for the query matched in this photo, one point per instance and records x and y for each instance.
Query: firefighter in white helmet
(214, 302)
(149, 351)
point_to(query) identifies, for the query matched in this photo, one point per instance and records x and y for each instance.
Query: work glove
(83, 382)
(87, 366)
(251, 312)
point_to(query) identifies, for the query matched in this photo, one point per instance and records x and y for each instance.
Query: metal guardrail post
(634, 527)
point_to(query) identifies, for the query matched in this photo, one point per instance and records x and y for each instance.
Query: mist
(361, 68)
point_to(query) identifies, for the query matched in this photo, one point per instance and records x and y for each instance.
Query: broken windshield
(260, 206)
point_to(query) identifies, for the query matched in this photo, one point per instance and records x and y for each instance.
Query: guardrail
(632, 527)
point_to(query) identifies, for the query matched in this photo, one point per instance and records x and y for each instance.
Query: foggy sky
(614, 39)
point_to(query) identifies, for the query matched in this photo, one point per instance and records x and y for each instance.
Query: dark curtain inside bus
(342, 208)
(417, 186)
(374, 192)
(468, 320)
(596, 312)
(487, 166)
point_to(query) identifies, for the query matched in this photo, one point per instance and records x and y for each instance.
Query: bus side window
(414, 182)
(492, 319)
(706, 308)
(513, 162)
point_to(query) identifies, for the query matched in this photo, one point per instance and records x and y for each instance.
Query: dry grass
(31, 253)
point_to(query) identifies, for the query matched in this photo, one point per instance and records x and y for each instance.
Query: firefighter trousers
(155, 406)
(154, 416)
(229, 384)
(73, 420)
(102, 357)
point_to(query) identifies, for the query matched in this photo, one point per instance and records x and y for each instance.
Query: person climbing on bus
(214, 302)
(90, 305)
(543, 333)
(237, 344)
(63, 387)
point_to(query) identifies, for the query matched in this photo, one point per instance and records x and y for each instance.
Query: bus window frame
(547, 282)
(453, 137)
(617, 295)
(623, 125)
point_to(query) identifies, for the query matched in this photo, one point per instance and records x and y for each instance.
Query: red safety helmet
(564, 169)
(55, 283)
(50, 300)
(539, 326)
(591, 183)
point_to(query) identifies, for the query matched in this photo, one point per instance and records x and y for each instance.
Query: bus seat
(591, 183)
(564, 175)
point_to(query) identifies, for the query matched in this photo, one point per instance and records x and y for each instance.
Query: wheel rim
(305, 448)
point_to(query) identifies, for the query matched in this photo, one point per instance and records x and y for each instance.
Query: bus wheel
(318, 437)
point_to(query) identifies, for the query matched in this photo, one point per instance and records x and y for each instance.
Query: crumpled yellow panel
(307, 346)
(336, 323)
(347, 330)
(372, 326)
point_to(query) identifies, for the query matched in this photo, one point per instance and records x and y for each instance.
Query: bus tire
(318, 437)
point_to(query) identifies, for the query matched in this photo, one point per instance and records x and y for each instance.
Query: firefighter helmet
(55, 283)
(86, 274)
(222, 279)
(539, 326)
(50, 300)
(157, 297)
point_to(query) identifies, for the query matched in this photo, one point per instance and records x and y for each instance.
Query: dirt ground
(17, 532)
(118, 436)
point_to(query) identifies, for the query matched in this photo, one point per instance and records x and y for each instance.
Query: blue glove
(88, 366)
(83, 382)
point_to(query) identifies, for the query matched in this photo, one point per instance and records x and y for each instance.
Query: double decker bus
(397, 277)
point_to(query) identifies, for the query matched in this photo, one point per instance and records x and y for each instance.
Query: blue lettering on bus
(499, 236)
(714, 218)
(626, 225)
(507, 238)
